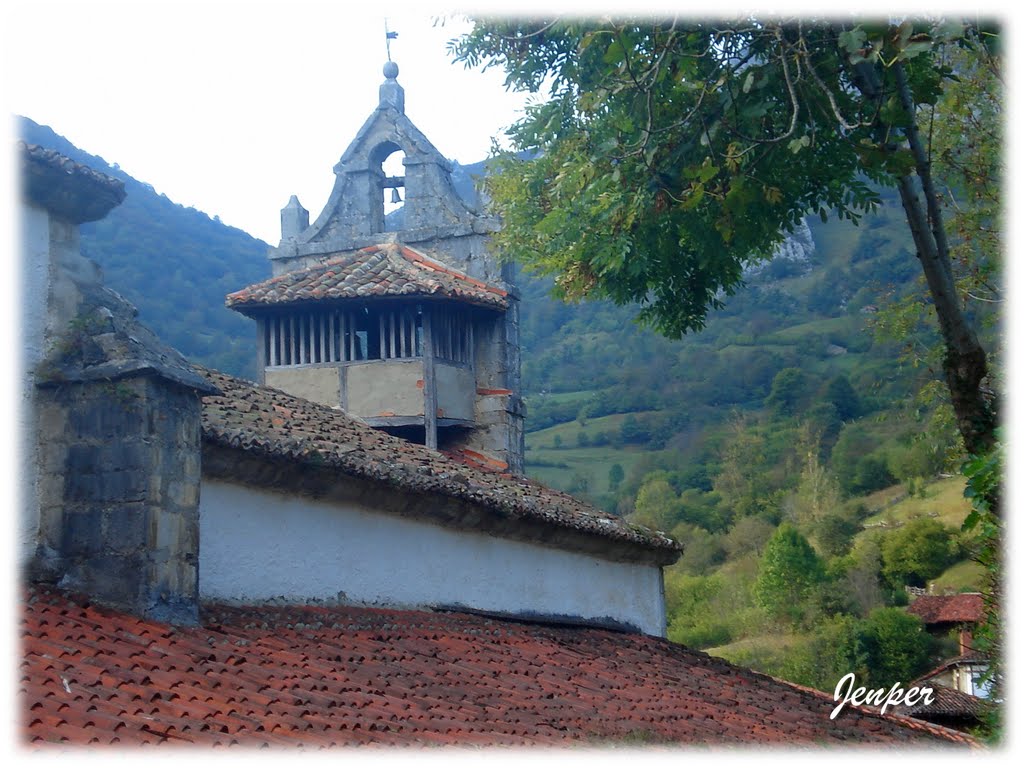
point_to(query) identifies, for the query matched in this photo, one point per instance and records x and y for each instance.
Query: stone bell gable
(354, 218)
(393, 319)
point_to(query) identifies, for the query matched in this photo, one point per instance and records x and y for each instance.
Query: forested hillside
(175, 264)
(795, 445)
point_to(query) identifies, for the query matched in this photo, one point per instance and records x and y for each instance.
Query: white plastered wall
(35, 287)
(258, 546)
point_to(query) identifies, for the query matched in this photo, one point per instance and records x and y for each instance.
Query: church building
(378, 461)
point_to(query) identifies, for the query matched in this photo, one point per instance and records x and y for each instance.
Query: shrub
(896, 645)
(920, 550)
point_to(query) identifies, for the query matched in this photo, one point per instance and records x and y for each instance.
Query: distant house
(960, 694)
(942, 614)
(961, 684)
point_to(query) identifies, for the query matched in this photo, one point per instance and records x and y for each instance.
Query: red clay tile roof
(319, 676)
(946, 702)
(380, 270)
(272, 423)
(948, 609)
(476, 460)
(956, 661)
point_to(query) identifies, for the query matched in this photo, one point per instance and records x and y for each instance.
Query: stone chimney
(111, 440)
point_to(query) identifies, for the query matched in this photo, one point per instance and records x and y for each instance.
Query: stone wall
(119, 493)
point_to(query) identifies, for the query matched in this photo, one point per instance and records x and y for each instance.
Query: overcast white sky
(233, 107)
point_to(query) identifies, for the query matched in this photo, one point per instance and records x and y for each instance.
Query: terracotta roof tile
(380, 270)
(244, 417)
(317, 677)
(956, 661)
(948, 609)
(947, 702)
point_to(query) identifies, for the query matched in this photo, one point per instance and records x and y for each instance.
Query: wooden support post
(261, 347)
(339, 336)
(291, 359)
(401, 334)
(429, 385)
(272, 331)
(462, 336)
(323, 340)
(392, 333)
(448, 324)
(311, 349)
(279, 340)
(330, 336)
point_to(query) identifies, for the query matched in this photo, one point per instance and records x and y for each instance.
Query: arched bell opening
(388, 160)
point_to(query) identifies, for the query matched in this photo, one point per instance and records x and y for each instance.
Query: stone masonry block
(81, 534)
(51, 488)
(188, 577)
(190, 466)
(105, 418)
(170, 532)
(109, 455)
(104, 487)
(51, 420)
(188, 544)
(109, 578)
(52, 454)
(51, 519)
(183, 494)
(126, 528)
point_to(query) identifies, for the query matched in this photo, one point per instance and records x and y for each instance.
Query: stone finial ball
(390, 70)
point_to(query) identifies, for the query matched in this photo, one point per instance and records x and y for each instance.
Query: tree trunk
(964, 361)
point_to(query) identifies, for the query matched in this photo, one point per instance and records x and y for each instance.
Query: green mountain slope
(815, 315)
(175, 264)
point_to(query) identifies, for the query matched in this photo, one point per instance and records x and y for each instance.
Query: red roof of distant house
(946, 702)
(948, 609)
(380, 270)
(324, 676)
(957, 661)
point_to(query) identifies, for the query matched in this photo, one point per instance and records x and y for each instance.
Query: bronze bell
(395, 197)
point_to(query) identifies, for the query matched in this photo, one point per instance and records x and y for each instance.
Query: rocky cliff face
(798, 249)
